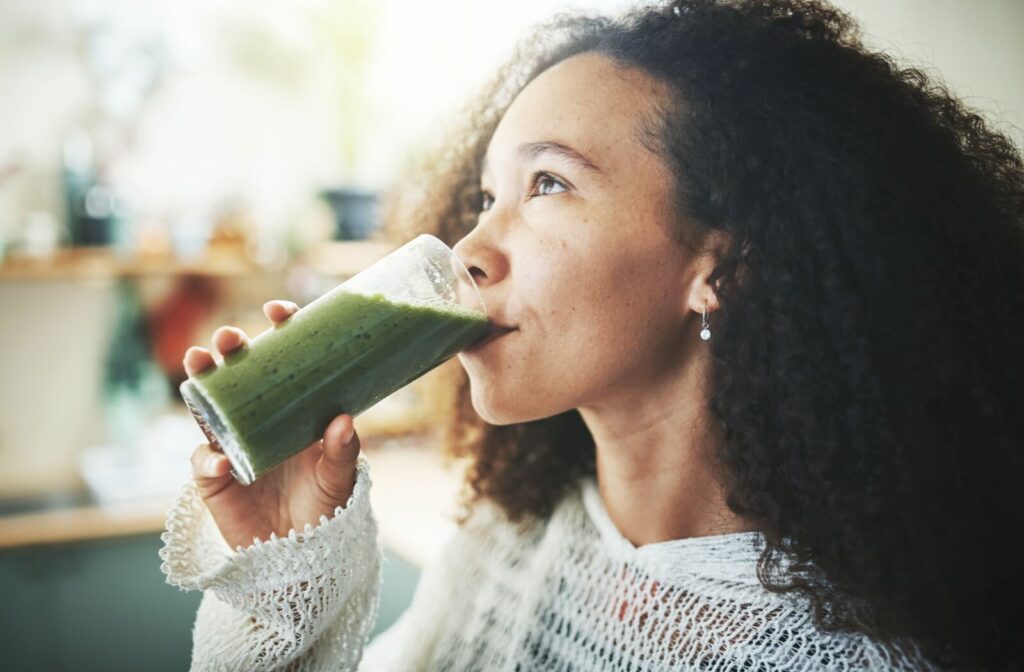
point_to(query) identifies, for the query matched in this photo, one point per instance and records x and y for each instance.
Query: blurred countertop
(414, 496)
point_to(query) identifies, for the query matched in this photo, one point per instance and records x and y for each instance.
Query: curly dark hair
(867, 358)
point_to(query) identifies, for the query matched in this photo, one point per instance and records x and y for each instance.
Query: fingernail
(211, 463)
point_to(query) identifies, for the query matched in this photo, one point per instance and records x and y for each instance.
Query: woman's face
(573, 248)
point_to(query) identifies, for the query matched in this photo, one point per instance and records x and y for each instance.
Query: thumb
(336, 470)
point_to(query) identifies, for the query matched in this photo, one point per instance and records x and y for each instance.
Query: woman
(758, 407)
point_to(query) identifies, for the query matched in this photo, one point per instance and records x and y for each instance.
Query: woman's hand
(307, 485)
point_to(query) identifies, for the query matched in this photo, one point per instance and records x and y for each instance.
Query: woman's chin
(507, 400)
(496, 410)
(494, 415)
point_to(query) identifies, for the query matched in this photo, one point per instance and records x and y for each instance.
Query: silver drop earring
(705, 326)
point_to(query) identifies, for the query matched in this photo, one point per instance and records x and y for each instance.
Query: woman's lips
(493, 334)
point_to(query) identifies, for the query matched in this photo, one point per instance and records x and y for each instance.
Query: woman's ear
(699, 292)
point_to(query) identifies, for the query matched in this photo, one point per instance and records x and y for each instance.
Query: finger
(210, 469)
(279, 311)
(196, 359)
(340, 451)
(229, 339)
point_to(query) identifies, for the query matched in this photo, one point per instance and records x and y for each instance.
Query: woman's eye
(545, 184)
(486, 201)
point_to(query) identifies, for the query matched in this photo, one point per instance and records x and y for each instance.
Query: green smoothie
(341, 354)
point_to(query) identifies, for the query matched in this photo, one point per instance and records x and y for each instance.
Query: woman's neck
(654, 466)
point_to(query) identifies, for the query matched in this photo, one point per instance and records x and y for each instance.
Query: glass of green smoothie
(366, 338)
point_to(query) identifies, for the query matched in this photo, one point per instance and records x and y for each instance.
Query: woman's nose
(486, 263)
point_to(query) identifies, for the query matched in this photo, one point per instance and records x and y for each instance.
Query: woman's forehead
(588, 103)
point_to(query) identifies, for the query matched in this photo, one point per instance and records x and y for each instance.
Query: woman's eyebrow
(531, 150)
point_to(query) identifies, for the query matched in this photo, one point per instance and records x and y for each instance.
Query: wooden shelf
(338, 258)
(88, 263)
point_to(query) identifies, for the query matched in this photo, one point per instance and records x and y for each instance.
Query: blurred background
(166, 168)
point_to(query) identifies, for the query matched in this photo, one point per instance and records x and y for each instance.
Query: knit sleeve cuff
(195, 555)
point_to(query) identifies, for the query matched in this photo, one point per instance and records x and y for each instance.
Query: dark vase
(355, 212)
(90, 209)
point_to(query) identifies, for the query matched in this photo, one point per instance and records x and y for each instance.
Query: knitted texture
(302, 602)
(568, 593)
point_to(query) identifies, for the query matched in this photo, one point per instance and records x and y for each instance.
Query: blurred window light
(195, 104)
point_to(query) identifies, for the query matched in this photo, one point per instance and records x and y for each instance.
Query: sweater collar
(731, 557)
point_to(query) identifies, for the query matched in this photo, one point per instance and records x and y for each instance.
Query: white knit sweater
(567, 593)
